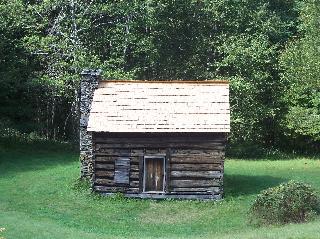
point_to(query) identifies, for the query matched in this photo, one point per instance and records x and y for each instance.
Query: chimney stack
(89, 83)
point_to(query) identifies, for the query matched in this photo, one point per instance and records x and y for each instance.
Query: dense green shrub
(288, 202)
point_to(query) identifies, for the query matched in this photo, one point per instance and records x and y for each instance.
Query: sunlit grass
(39, 198)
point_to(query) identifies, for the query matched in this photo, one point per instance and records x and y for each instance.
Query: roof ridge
(169, 81)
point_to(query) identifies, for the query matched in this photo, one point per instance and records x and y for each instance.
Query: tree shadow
(239, 185)
(16, 157)
(251, 151)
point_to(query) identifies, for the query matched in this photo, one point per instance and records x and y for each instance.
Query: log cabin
(154, 139)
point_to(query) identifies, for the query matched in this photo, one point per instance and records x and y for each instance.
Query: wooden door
(154, 174)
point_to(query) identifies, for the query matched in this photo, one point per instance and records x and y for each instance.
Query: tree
(301, 72)
(248, 39)
(48, 43)
(56, 40)
(15, 65)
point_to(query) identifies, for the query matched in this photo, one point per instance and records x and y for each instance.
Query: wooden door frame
(163, 157)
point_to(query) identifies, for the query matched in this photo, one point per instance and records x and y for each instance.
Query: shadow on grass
(249, 151)
(240, 185)
(19, 156)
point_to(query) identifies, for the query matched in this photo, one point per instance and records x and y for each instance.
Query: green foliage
(289, 202)
(46, 44)
(304, 121)
(81, 185)
(301, 72)
(255, 151)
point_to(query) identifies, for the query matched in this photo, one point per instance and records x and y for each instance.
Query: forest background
(269, 50)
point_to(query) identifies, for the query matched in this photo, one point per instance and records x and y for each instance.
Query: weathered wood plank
(110, 151)
(175, 196)
(134, 167)
(104, 158)
(121, 172)
(201, 145)
(194, 183)
(108, 189)
(198, 189)
(176, 158)
(156, 151)
(123, 151)
(121, 177)
(116, 189)
(133, 190)
(190, 159)
(190, 193)
(106, 166)
(197, 166)
(197, 159)
(104, 173)
(141, 165)
(134, 175)
(176, 152)
(111, 183)
(134, 151)
(120, 137)
(214, 138)
(134, 184)
(196, 174)
(134, 159)
(167, 170)
(105, 182)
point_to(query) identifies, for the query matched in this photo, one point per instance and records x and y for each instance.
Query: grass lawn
(38, 200)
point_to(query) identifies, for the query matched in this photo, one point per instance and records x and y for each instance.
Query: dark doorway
(154, 174)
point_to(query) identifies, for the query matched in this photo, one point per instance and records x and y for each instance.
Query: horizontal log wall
(194, 166)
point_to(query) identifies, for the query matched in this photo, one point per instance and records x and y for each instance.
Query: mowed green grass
(38, 200)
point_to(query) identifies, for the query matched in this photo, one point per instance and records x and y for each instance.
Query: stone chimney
(88, 84)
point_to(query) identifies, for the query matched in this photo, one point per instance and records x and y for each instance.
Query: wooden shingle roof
(160, 106)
